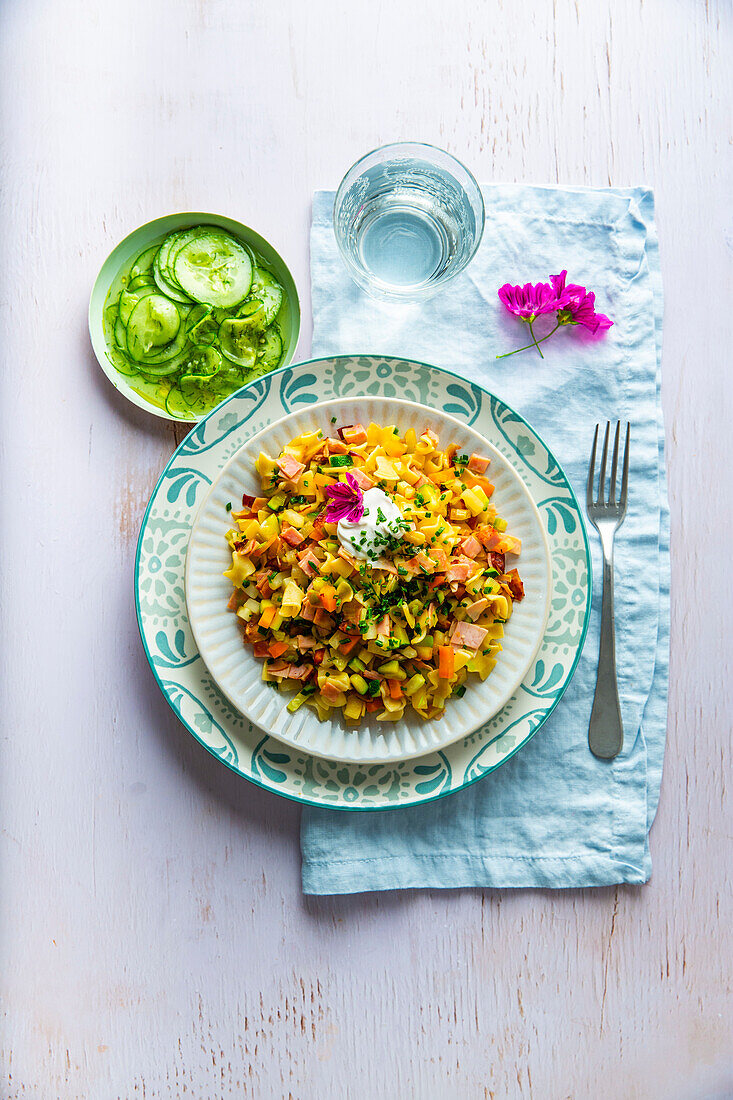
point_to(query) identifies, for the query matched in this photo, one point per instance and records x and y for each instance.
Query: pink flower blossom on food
(346, 501)
(530, 301)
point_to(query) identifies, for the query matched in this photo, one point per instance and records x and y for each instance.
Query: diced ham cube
(331, 692)
(353, 434)
(478, 464)
(236, 599)
(336, 447)
(362, 479)
(424, 563)
(308, 562)
(289, 467)
(459, 571)
(292, 536)
(305, 642)
(467, 635)
(298, 672)
(490, 537)
(471, 546)
(307, 611)
(441, 560)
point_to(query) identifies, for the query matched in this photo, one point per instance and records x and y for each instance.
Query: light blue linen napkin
(553, 815)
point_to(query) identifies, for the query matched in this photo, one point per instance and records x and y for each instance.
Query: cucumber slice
(121, 363)
(266, 287)
(270, 352)
(175, 405)
(144, 263)
(129, 299)
(140, 281)
(165, 286)
(202, 365)
(154, 323)
(253, 314)
(214, 268)
(165, 254)
(238, 341)
(178, 356)
(201, 327)
(177, 241)
(120, 333)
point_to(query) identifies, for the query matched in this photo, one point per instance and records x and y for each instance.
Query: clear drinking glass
(408, 218)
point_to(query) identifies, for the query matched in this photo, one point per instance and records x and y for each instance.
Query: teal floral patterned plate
(184, 678)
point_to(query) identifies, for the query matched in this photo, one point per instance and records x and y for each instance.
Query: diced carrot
(277, 648)
(267, 616)
(346, 647)
(395, 688)
(327, 597)
(373, 704)
(446, 662)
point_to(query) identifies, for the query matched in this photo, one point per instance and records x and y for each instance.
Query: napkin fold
(553, 815)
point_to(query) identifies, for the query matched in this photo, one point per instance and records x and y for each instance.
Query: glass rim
(418, 145)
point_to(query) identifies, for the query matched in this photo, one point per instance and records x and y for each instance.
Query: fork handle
(606, 732)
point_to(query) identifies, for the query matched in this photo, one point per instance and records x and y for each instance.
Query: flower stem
(535, 344)
(534, 340)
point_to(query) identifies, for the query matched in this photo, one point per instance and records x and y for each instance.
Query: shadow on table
(343, 907)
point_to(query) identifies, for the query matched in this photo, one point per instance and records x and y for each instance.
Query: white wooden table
(155, 942)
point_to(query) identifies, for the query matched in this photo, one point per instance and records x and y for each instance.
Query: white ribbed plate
(238, 673)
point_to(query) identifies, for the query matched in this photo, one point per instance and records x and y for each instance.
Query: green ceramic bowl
(135, 243)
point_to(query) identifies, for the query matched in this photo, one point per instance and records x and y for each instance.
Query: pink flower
(579, 306)
(564, 292)
(346, 501)
(530, 301)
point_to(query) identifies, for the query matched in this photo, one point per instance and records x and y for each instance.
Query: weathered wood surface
(154, 938)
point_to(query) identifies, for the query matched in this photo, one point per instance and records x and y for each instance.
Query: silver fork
(606, 513)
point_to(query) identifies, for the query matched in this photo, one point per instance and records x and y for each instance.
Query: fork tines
(600, 499)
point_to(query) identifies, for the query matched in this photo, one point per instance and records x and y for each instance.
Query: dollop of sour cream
(382, 521)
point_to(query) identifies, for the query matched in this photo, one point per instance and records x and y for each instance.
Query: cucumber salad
(193, 318)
